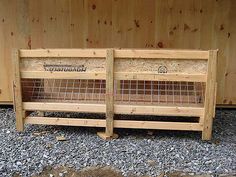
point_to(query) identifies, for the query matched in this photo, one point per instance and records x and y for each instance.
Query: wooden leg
(207, 128)
(108, 134)
(20, 120)
(210, 94)
(20, 113)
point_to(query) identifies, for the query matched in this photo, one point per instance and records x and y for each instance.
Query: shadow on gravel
(102, 172)
(86, 172)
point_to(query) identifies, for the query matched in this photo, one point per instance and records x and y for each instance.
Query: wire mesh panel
(125, 91)
(63, 90)
(160, 93)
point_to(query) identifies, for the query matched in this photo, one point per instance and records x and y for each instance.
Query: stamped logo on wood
(162, 69)
(65, 68)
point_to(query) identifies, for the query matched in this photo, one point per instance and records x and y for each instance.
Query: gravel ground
(136, 151)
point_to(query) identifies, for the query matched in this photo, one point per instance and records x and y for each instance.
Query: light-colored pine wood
(66, 121)
(209, 96)
(158, 125)
(70, 53)
(118, 75)
(205, 112)
(214, 104)
(176, 54)
(62, 75)
(159, 24)
(17, 91)
(124, 53)
(63, 107)
(118, 109)
(104, 136)
(109, 92)
(117, 124)
(148, 76)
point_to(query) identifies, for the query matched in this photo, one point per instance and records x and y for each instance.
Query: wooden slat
(118, 76)
(118, 109)
(172, 54)
(117, 123)
(157, 125)
(123, 53)
(66, 121)
(17, 91)
(61, 75)
(209, 95)
(63, 107)
(109, 92)
(44, 53)
(158, 110)
(160, 77)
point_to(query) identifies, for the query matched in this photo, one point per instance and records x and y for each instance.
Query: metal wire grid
(125, 91)
(160, 92)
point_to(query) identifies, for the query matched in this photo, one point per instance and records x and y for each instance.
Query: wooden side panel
(14, 33)
(99, 21)
(220, 29)
(193, 24)
(229, 96)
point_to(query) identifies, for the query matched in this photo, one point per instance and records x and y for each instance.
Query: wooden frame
(205, 113)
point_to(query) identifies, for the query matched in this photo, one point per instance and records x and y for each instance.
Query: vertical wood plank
(123, 24)
(230, 72)
(209, 95)
(109, 92)
(99, 21)
(220, 40)
(17, 91)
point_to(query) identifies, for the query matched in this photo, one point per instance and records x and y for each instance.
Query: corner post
(17, 91)
(209, 103)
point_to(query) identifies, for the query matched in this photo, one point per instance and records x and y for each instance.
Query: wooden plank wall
(193, 24)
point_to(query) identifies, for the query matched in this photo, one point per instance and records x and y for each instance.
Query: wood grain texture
(117, 124)
(186, 24)
(109, 92)
(210, 93)
(20, 114)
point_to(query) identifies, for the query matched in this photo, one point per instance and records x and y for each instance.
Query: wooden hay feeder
(116, 81)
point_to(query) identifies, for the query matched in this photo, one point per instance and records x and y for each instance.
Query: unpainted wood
(210, 96)
(118, 76)
(205, 113)
(109, 92)
(117, 124)
(118, 109)
(172, 66)
(17, 92)
(134, 24)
